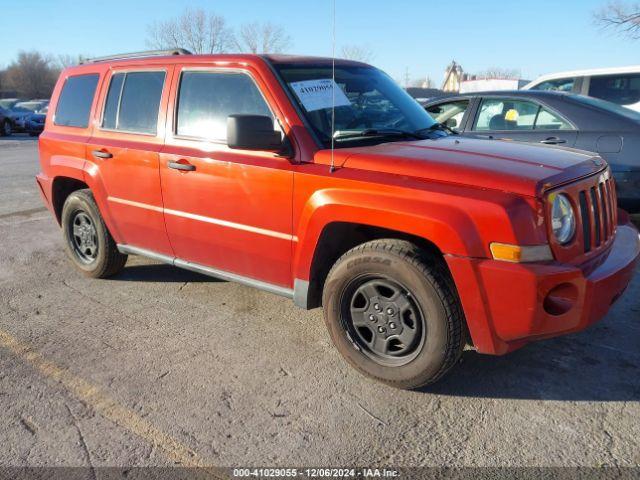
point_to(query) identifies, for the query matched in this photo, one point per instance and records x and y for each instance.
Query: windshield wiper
(441, 126)
(379, 132)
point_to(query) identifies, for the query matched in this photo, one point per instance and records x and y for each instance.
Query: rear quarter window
(76, 98)
(621, 89)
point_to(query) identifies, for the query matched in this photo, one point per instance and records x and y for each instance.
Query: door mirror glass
(451, 123)
(253, 132)
(451, 114)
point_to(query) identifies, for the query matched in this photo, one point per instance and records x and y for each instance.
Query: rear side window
(518, 115)
(206, 99)
(74, 104)
(620, 89)
(133, 102)
(560, 85)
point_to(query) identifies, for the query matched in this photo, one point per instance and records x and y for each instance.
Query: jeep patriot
(333, 187)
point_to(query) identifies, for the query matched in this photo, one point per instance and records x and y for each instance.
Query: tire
(7, 129)
(88, 243)
(411, 296)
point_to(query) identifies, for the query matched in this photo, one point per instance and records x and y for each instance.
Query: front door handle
(553, 141)
(102, 154)
(185, 167)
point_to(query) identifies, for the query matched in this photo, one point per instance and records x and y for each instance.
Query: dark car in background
(553, 118)
(23, 111)
(22, 116)
(34, 124)
(6, 122)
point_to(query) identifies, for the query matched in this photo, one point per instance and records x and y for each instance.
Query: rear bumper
(508, 305)
(45, 189)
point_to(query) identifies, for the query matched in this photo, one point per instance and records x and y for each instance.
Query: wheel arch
(337, 238)
(61, 188)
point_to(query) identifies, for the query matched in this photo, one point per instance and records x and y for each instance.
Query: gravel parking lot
(159, 366)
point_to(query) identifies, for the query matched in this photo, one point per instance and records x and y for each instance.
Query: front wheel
(393, 313)
(7, 130)
(87, 240)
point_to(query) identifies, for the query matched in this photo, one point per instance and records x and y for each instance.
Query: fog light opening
(560, 299)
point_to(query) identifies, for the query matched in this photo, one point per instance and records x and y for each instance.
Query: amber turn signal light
(520, 253)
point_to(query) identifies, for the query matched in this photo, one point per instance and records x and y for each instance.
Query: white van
(619, 85)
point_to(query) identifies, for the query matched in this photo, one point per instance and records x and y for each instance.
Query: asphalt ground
(161, 367)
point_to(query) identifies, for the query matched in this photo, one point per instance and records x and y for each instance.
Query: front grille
(597, 213)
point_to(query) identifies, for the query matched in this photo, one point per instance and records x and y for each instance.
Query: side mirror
(451, 123)
(253, 132)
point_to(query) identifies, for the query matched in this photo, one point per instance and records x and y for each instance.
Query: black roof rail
(144, 54)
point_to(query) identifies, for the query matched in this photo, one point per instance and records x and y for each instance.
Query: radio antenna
(333, 85)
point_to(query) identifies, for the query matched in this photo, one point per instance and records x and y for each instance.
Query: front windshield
(28, 106)
(368, 103)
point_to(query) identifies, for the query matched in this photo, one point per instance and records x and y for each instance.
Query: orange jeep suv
(326, 183)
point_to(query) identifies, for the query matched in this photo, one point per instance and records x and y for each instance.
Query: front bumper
(508, 305)
(34, 127)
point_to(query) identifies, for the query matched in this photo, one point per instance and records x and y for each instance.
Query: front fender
(456, 224)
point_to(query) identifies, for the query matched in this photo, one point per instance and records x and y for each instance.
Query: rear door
(522, 120)
(124, 148)
(226, 209)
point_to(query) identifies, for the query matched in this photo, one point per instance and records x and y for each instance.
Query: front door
(226, 209)
(124, 150)
(522, 120)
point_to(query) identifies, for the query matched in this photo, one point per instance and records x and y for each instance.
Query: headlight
(563, 220)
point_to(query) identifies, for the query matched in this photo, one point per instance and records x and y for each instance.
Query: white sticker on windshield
(319, 94)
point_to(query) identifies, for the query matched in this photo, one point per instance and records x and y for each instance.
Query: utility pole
(407, 78)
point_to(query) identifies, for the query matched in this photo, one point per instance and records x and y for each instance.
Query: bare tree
(262, 38)
(63, 61)
(360, 53)
(420, 83)
(32, 75)
(195, 30)
(503, 73)
(622, 17)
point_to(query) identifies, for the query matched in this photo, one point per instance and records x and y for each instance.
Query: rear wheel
(87, 240)
(393, 313)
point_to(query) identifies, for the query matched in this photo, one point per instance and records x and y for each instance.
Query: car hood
(516, 167)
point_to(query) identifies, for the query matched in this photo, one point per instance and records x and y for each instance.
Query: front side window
(74, 104)
(516, 115)
(560, 85)
(368, 103)
(450, 114)
(133, 102)
(206, 99)
(620, 89)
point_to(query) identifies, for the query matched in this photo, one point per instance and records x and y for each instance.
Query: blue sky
(422, 35)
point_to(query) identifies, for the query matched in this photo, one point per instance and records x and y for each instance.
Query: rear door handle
(102, 154)
(185, 167)
(553, 141)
